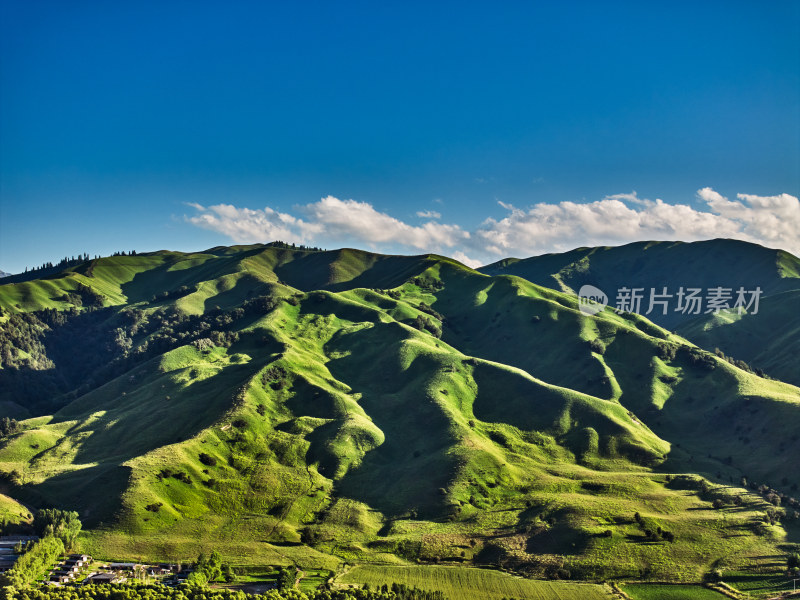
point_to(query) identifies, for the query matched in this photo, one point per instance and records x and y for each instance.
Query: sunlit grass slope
(404, 410)
(471, 584)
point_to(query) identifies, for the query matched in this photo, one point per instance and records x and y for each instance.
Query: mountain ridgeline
(768, 338)
(320, 406)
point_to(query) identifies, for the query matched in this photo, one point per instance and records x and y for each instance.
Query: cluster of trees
(168, 328)
(66, 262)
(135, 591)
(793, 561)
(427, 308)
(179, 475)
(774, 496)
(180, 292)
(700, 358)
(398, 591)
(428, 284)
(287, 577)
(393, 294)
(695, 356)
(667, 351)
(71, 261)
(8, 426)
(783, 506)
(275, 377)
(61, 524)
(786, 507)
(421, 322)
(293, 246)
(426, 324)
(210, 569)
(33, 564)
(208, 460)
(652, 530)
(65, 351)
(23, 331)
(739, 363)
(84, 296)
(50, 357)
(597, 345)
(260, 305)
(62, 264)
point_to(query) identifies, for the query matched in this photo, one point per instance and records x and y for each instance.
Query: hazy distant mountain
(4, 274)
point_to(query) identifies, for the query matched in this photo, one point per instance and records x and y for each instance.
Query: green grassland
(459, 583)
(759, 584)
(654, 591)
(358, 408)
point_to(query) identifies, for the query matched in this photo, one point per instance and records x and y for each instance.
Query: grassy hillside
(216, 277)
(304, 407)
(767, 340)
(721, 262)
(12, 513)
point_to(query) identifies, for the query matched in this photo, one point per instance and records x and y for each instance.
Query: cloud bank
(772, 221)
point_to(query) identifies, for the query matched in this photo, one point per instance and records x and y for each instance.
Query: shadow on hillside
(346, 269)
(94, 492)
(560, 539)
(411, 470)
(246, 287)
(158, 415)
(161, 279)
(501, 329)
(155, 411)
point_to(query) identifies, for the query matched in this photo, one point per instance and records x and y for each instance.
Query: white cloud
(633, 197)
(348, 219)
(429, 214)
(617, 219)
(463, 258)
(342, 221)
(769, 220)
(507, 206)
(244, 225)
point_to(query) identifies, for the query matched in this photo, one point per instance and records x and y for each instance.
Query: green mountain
(766, 339)
(769, 339)
(287, 405)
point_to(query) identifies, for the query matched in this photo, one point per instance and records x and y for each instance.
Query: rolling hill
(767, 340)
(288, 405)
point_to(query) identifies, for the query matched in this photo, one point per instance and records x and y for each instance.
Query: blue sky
(475, 129)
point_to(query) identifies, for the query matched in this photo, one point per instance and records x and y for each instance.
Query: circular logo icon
(591, 300)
